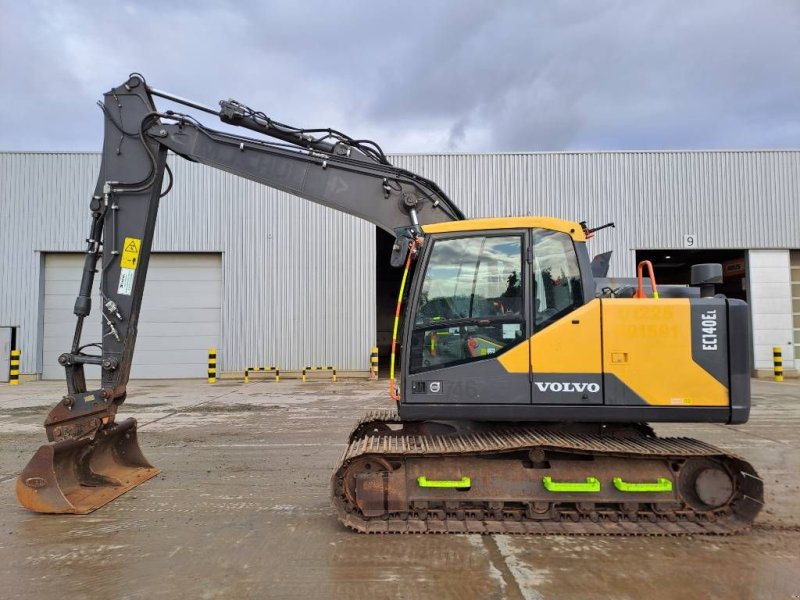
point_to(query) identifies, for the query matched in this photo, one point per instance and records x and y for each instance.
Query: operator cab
(484, 287)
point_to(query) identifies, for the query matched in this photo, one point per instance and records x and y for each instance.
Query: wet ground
(241, 510)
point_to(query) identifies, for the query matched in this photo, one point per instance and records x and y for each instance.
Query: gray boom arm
(352, 176)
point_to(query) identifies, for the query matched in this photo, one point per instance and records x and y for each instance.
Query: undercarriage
(535, 478)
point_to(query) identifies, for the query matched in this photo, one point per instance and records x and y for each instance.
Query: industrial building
(269, 279)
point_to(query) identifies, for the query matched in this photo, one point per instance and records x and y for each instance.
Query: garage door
(180, 317)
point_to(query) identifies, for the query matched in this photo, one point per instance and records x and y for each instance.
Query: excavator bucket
(79, 476)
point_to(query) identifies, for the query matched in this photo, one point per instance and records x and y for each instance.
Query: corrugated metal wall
(726, 199)
(299, 278)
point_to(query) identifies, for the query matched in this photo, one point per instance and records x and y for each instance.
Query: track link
(382, 442)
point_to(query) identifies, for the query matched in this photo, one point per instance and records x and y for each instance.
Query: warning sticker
(126, 281)
(130, 253)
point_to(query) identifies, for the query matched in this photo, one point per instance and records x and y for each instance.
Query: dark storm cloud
(421, 76)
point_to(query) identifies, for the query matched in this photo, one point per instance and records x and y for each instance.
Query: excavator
(527, 377)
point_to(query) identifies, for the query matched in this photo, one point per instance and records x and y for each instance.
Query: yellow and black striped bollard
(373, 363)
(13, 373)
(212, 365)
(777, 359)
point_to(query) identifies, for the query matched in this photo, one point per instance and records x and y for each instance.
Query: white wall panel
(795, 262)
(770, 296)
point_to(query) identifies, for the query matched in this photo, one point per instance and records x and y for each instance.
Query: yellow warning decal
(130, 253)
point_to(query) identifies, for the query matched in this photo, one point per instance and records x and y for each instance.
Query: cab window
(556, 278)
(470, 305)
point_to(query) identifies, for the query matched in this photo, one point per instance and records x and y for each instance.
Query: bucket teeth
(79, 476)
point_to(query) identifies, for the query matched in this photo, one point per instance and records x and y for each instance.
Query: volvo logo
(555, 386)
(435, 387)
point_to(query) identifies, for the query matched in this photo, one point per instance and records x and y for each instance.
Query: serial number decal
(126, 281)
(708, 325)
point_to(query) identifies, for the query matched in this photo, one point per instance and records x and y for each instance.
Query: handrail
(639, 276)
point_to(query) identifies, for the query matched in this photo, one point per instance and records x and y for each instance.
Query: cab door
(566, 349)
(469, 311)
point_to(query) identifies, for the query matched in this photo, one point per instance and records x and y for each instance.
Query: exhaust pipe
(78, 476)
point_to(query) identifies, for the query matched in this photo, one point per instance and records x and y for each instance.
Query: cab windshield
(471, 302)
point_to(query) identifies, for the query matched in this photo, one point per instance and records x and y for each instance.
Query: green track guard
(592, 484)
(461, 484)
(661, 485)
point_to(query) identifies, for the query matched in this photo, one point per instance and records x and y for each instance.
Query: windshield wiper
(442, 323)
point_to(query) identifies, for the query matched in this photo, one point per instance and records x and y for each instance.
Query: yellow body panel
(647, 344)
(569, 347)
(569, 227)
(517, 359)
(563, 347)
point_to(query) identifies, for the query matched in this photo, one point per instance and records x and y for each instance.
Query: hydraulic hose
(393, 394)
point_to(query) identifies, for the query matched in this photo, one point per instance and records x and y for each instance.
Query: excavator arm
(91, 459)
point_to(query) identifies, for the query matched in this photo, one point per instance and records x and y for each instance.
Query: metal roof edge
(522, 153)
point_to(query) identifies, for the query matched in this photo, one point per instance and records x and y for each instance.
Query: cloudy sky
(421, 76)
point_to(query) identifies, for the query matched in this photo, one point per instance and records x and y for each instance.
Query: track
(495, 473)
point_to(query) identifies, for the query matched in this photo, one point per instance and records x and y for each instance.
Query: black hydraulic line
(308, 174)
(184, 101)
(239, 115)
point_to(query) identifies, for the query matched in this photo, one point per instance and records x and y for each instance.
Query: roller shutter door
(180, 317)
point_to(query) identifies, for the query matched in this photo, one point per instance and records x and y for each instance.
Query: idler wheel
(358, 466)
(714, 487)
(705, 484)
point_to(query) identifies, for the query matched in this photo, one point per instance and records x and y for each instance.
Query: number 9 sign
(689, 240)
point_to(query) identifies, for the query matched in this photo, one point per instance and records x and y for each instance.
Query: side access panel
(566, 359)
(481, 382)
(665, 352)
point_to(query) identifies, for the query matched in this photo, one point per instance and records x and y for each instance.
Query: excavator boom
(92, 459)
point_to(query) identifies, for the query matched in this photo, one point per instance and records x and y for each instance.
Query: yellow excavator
(527, 379)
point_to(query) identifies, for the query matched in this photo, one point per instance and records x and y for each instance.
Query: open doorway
(675, 266)
(387, 286)
(8, 342)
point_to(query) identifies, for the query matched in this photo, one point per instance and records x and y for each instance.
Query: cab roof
(571, 228)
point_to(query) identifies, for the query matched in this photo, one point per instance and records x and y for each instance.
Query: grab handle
(460, 484)
(592, 484)
(662, 484)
